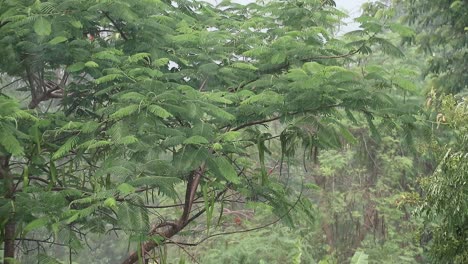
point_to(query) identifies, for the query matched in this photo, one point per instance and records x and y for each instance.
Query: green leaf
(267, 98)
(230, 136)
(65, 148)
(132, 218)
(225, 169)
(218, 112)
(109, 55)
(217, 97)
(155, 180)
(456, 5)
(312, 186)
(359, 258)
(173, 141)
(244, 66)
(313, 67)
(107, 78)
(53, 173)
(132, 97)
(402, 30)
(158, 111)
(347, 135)
(278, 58)
(404, 84)
(94, 144)
(124, 112)
(42, 26)
(76, 67)
(388, 47)
(76, 24)
(127, 140)
(297, 74)
(9, 142)
(161, 62)
(189, 158)
(91, 64)
(138, 57)
(44, 259)
(110, 202)
(58, 40)
(126, 188)
(36, 224)
(196, 140)
(217, 147)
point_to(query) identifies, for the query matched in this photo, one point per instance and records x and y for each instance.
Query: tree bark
(10, 226)
(9, 251)
(169, 232)
(167, 229)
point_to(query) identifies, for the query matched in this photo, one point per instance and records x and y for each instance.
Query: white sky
(353, 8)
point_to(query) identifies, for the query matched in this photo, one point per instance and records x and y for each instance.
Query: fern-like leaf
(158, 111)
(9, 141)
(65, 148)
(124, 112)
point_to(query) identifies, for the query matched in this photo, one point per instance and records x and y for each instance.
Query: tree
(135, 99)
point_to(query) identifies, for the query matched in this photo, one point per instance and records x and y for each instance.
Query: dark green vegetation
(159, 131)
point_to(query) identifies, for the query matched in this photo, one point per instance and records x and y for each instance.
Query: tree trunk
(9, 251)
(10, 226)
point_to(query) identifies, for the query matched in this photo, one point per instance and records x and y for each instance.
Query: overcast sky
(353, 8)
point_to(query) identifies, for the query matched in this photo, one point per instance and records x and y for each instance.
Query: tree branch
(174, 228)
(192, 186)
(3, 23)
(115, 25)
(262, 121)
(41, 241)
(257, 122)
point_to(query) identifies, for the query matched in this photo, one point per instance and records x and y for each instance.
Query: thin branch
(250, 229)
(168, 206)
(41, 241)
(203, 84)
(257, 122)
(186, 252)
(341, 56)
(115, 25)
(4, 23)
(8, 84)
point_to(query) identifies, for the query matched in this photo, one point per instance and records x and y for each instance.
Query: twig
(257, 122)
(8, 84)
(203, 84)
(181, 247)
(250, 229)
(115, 25)
(41, 241)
